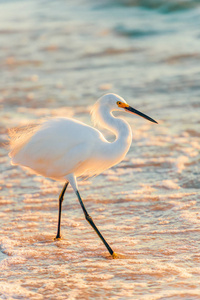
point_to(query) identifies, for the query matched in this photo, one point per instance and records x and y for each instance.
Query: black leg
(61, 198)
(91, 222)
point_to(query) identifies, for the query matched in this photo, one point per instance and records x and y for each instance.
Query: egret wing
(58, 146)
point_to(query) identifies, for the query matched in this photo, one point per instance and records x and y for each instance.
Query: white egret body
(63, 148)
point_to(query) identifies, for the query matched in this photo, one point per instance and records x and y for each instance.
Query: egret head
(113, 102)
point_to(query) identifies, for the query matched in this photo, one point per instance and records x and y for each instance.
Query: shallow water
(57, 58)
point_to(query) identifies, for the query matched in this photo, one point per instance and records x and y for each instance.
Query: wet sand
(56, 60)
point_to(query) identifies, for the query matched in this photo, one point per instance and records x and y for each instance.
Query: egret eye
(119, 103)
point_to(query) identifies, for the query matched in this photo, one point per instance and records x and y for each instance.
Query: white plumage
(63, 148)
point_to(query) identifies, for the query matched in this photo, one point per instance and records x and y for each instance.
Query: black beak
(137, 112)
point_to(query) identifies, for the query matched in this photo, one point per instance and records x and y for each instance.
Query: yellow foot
(57, 238)
(115, 255)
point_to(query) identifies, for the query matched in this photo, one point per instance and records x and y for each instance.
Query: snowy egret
(64, 149)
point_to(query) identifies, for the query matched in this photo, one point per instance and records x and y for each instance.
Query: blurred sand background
(56, 59)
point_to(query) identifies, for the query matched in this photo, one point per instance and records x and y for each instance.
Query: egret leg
(91, 222)
(61, 198)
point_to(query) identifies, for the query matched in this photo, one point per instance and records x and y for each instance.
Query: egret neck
(120, 128)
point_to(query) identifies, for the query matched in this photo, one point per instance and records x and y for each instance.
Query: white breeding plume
(63, 148)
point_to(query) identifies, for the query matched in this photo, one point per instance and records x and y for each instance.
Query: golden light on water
(56, 60)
